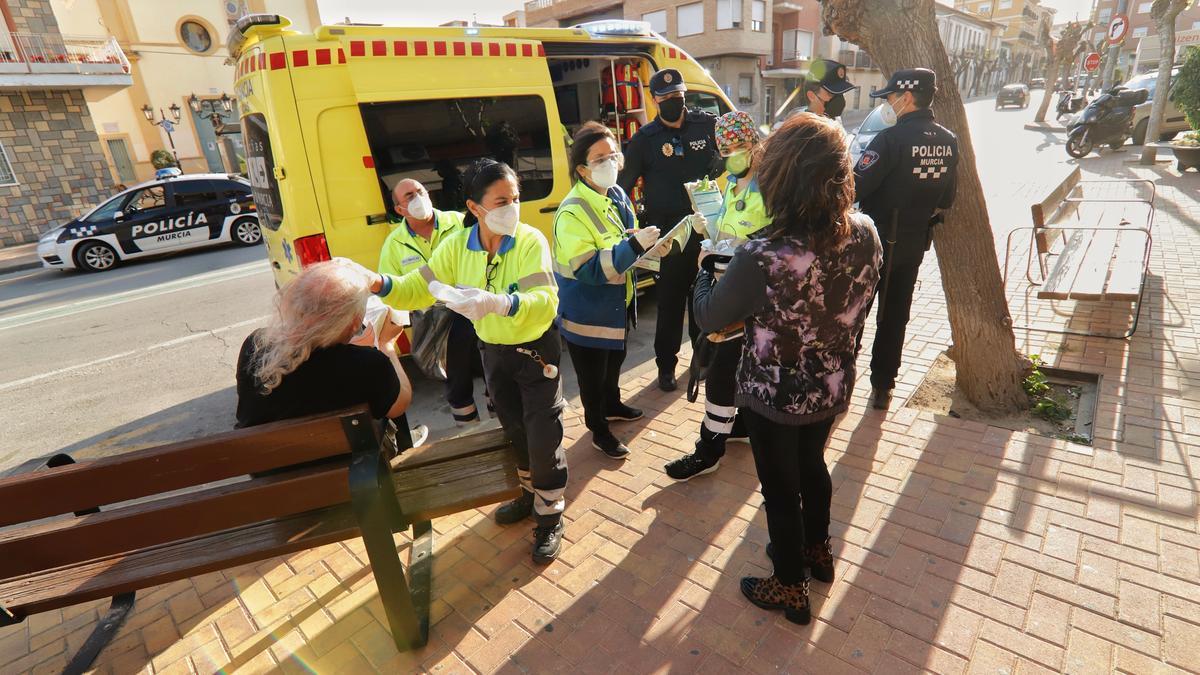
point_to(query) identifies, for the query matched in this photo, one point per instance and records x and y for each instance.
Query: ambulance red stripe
(324, 57)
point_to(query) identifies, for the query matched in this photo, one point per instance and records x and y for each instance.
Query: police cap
(916, 80)
(666, 81)
(831, 75)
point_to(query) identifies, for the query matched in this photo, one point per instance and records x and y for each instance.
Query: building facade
(730, 38)
(1025, 25)
(176, 50)
(1141, 26)
(51, 165)
(978, 55)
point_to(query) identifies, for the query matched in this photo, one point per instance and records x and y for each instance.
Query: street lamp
(213, 110)
(168, 125)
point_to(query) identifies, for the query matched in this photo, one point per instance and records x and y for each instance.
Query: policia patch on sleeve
(868, 160)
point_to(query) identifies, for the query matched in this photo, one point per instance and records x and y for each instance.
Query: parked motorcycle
(1108, 120)
(1070, 103)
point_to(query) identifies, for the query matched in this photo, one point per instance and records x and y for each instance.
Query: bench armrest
(1123, 181)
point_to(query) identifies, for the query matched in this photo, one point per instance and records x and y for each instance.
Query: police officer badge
(667, 150)
(667, 77)
(867, 160)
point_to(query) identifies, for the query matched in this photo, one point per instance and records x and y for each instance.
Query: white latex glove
(699, 223)
(646, 236)
(478, 303)
(443, 292)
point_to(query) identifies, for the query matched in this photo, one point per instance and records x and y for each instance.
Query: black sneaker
(610, 446)
(689, 466)
(547, 540)
(517, 510)
(881, 398)
(623, 413)
(666, 380)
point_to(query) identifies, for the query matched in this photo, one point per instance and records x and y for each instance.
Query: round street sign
(1092, 62)
(1118, 28)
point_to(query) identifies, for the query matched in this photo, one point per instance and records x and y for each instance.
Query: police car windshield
(106, 210)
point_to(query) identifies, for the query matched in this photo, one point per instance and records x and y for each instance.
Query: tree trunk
(1166, 59)
(1048, 92)
(989, 368)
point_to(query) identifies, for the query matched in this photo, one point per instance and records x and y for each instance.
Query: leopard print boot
(819, 558)
(769, 593)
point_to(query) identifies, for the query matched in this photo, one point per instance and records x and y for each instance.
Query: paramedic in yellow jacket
(596, 242)
(742, 217)
(417, 230)
(498, 274)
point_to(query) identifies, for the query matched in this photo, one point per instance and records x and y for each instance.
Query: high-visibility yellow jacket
(742, 215)
(521, 269)
(404, 250)
(592, 261)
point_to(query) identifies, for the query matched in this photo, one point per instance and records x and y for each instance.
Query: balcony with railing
(50, 60)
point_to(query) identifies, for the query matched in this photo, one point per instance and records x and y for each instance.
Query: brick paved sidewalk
(960, 547)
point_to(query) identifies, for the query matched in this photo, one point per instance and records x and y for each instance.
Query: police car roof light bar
(617, 28)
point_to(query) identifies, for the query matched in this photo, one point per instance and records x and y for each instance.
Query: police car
(155, 217)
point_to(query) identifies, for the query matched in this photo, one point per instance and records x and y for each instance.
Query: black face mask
(671, 110)
(835, 106)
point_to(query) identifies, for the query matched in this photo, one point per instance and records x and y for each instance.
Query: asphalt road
(144, 354)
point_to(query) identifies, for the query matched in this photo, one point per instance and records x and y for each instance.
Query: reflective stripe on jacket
(740, 223)
(521, 269)
(592, 259)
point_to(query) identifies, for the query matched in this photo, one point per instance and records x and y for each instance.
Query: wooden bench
(1090, 248)
(183, 509)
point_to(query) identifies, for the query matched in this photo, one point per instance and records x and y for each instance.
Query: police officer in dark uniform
(824, 89)
(904, 179)
(677, 147)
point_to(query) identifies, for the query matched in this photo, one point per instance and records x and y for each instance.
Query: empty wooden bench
(183, 509)
(1091, 248)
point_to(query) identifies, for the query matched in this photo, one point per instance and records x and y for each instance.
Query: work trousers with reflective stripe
(530, 406)
(677, 273)
(720, 416)
(598, 371)
(462, 365)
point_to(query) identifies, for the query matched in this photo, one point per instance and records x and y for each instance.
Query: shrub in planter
(161, 159)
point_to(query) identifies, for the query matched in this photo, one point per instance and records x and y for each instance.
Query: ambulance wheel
(96, 256)
(246, 232)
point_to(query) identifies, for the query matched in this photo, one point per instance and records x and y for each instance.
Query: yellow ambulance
(332, 120)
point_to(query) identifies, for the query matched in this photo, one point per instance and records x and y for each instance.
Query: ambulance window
(434, 141)
(260, 165)
(700, 100)
(194, 193)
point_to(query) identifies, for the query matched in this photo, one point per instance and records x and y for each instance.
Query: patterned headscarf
(734, 128)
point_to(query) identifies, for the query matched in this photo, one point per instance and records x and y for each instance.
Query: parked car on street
(1012, 94)
(155, 217)
(1173, 118)
(1037, 83)
(866, 132)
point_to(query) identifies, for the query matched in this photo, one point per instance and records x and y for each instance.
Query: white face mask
(420, 207)
(503, 220)
(889, 115)
(605, 176)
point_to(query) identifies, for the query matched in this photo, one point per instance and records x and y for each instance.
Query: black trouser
(721, 418)
(529, 406)
(891, 321)
(677, 274)
(462, 365)
(599, 373)
(796, 487)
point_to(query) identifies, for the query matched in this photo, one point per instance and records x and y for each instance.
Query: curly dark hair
(806, 179)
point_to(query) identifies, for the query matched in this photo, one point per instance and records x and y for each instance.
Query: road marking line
(58, 311)
(155, 347)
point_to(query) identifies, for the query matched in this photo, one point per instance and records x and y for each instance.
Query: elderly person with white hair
(302, 362)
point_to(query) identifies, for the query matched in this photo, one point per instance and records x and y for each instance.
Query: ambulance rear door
(424, 104)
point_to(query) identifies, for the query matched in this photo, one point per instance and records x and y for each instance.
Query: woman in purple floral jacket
(804, 292)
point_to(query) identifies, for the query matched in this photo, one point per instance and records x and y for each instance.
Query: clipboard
(649, 261)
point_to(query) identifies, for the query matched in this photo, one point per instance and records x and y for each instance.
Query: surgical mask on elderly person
(420, 207)
(503, 220)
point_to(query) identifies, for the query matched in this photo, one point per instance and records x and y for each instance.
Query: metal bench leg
(374, 497)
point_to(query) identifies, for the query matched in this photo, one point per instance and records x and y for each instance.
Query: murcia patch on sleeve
(868, 160)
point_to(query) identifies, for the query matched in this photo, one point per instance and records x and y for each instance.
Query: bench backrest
(1052, 210)
(308, 460)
